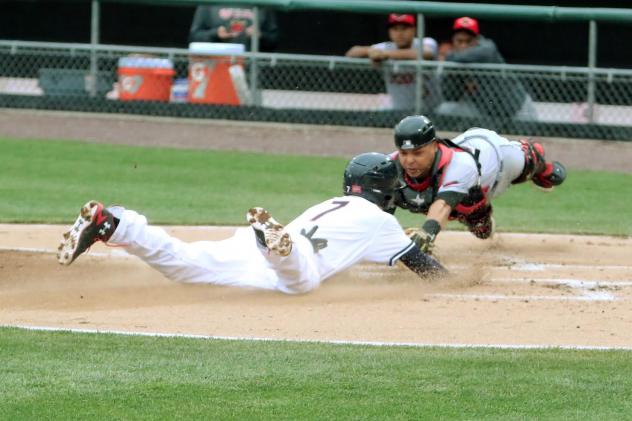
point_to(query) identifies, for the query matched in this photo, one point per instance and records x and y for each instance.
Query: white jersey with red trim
(356, 230)
(460, 174)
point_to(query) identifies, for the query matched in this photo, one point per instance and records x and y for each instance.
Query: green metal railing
(430, 9)
(423, 10)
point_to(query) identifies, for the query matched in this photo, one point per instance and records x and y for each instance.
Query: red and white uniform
(456, 175)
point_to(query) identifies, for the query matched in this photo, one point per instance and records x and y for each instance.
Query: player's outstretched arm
(422, 264)
(358, 51)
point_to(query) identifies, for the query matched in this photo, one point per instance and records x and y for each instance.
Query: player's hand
(376, 55)
(223, 33)
(317, 243)
(422, 239)
(250, 30)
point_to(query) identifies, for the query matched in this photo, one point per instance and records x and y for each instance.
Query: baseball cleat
(269, 232)
(94, 224)
(553, 175)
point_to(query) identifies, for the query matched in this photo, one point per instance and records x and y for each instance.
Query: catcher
(457, 179)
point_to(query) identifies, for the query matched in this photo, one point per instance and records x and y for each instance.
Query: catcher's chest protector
(417, 198)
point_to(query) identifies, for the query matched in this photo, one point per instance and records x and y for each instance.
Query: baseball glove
(423, 240)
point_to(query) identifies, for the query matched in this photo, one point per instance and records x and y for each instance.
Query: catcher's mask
(414, 132)
(372, 176)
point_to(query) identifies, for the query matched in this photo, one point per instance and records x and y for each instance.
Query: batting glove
(422, 239)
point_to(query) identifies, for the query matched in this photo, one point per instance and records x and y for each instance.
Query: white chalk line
(587, 288)
(319, 341)
(535, 267)
(600, 296)
(575, 283)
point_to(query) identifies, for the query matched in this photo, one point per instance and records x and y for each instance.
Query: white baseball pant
(237, 261)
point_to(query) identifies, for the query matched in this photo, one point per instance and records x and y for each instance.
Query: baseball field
(535, 324)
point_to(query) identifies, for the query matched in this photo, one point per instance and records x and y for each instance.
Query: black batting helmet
(414, 132)
(372, 176)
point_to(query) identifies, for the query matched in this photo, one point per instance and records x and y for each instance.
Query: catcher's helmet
(372, 176)
(414, 132)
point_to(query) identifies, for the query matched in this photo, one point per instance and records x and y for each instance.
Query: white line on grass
(361, 343)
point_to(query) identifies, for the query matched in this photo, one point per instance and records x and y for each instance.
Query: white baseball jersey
(356, 230)
(400, 84)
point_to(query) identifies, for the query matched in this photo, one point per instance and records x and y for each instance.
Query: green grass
(48, 181)
(61, 376)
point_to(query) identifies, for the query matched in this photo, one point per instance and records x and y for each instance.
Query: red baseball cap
(394, 18)
(466, 24)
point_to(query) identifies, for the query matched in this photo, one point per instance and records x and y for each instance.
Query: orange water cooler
(217, 79)
(145, 79)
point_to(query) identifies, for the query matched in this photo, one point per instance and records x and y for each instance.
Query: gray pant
(513, 165)
(510, 156)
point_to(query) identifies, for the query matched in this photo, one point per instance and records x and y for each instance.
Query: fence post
(419, 83)
(592, 64)
(254, 50)
(94, 40)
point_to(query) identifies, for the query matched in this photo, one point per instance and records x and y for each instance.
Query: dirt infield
(516, 289)
(522, 290)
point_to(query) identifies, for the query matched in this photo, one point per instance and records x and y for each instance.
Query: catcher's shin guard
(534, 162)
(481, 223)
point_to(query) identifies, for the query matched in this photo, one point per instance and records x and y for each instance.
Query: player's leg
(227, 262)
(544, 174)
(291, 258)
(481, 222)
(513, 164)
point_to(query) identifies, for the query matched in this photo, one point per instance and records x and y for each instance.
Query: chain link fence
(519, 100)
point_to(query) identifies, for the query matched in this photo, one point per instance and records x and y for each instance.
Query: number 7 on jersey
(340, 203)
